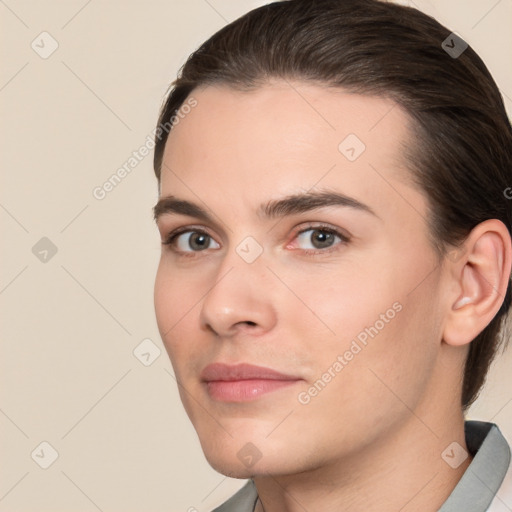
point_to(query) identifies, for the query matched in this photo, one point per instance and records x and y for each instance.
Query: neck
(402, 471)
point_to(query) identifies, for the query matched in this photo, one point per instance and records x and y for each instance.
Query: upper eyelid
(305, 226)
(186, 229)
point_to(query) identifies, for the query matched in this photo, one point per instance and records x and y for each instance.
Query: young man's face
(345, 300)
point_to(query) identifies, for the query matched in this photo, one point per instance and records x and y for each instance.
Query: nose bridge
(240, 294)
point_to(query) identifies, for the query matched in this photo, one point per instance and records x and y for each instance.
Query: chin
(242, 448)
(231, 469)
(249, 460)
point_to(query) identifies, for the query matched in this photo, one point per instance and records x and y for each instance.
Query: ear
(480, 277)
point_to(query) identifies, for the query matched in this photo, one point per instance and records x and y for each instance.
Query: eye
(314, 239)
(320, 238)
(191, 240)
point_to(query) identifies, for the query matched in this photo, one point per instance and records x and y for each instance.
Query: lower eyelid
(293, 245)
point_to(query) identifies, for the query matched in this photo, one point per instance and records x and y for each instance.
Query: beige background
(70, 324)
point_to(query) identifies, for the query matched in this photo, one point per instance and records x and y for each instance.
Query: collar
(479, 484)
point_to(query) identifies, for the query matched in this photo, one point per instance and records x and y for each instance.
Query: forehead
(282, 115)
(287, 136)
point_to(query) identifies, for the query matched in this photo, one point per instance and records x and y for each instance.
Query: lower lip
(244, 390)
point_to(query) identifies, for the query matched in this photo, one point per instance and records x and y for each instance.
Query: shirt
(485, 486)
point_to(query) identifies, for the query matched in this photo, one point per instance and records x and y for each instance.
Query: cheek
(336, 301)
(176, 292)
(392, 358)
(363, 389)
(383, 333)
(178, 295)
(164, 300)
(174, 305)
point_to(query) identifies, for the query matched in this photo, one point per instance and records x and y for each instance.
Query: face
(297, 294)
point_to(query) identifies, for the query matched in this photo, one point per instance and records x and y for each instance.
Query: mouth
(243, 382)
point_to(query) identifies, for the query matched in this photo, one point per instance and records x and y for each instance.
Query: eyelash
(173, 236)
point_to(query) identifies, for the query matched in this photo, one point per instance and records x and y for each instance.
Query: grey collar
(484, 476)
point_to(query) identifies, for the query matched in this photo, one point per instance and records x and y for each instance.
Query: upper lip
(242, 371)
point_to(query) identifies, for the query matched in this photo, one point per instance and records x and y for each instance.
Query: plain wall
(71, 320)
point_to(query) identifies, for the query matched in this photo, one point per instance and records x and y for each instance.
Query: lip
(242, 371)
(243, 382)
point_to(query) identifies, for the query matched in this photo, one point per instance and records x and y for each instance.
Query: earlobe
(481, 280)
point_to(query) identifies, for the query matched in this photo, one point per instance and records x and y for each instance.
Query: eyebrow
(289, 205)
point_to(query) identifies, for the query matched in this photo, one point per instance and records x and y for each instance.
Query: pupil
(322, 239)
(198, 241)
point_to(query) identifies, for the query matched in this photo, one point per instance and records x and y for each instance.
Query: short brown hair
(461, 155)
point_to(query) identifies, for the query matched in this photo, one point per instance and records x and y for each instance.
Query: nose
(240, 299)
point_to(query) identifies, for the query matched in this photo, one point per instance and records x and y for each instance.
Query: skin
(372, 438)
